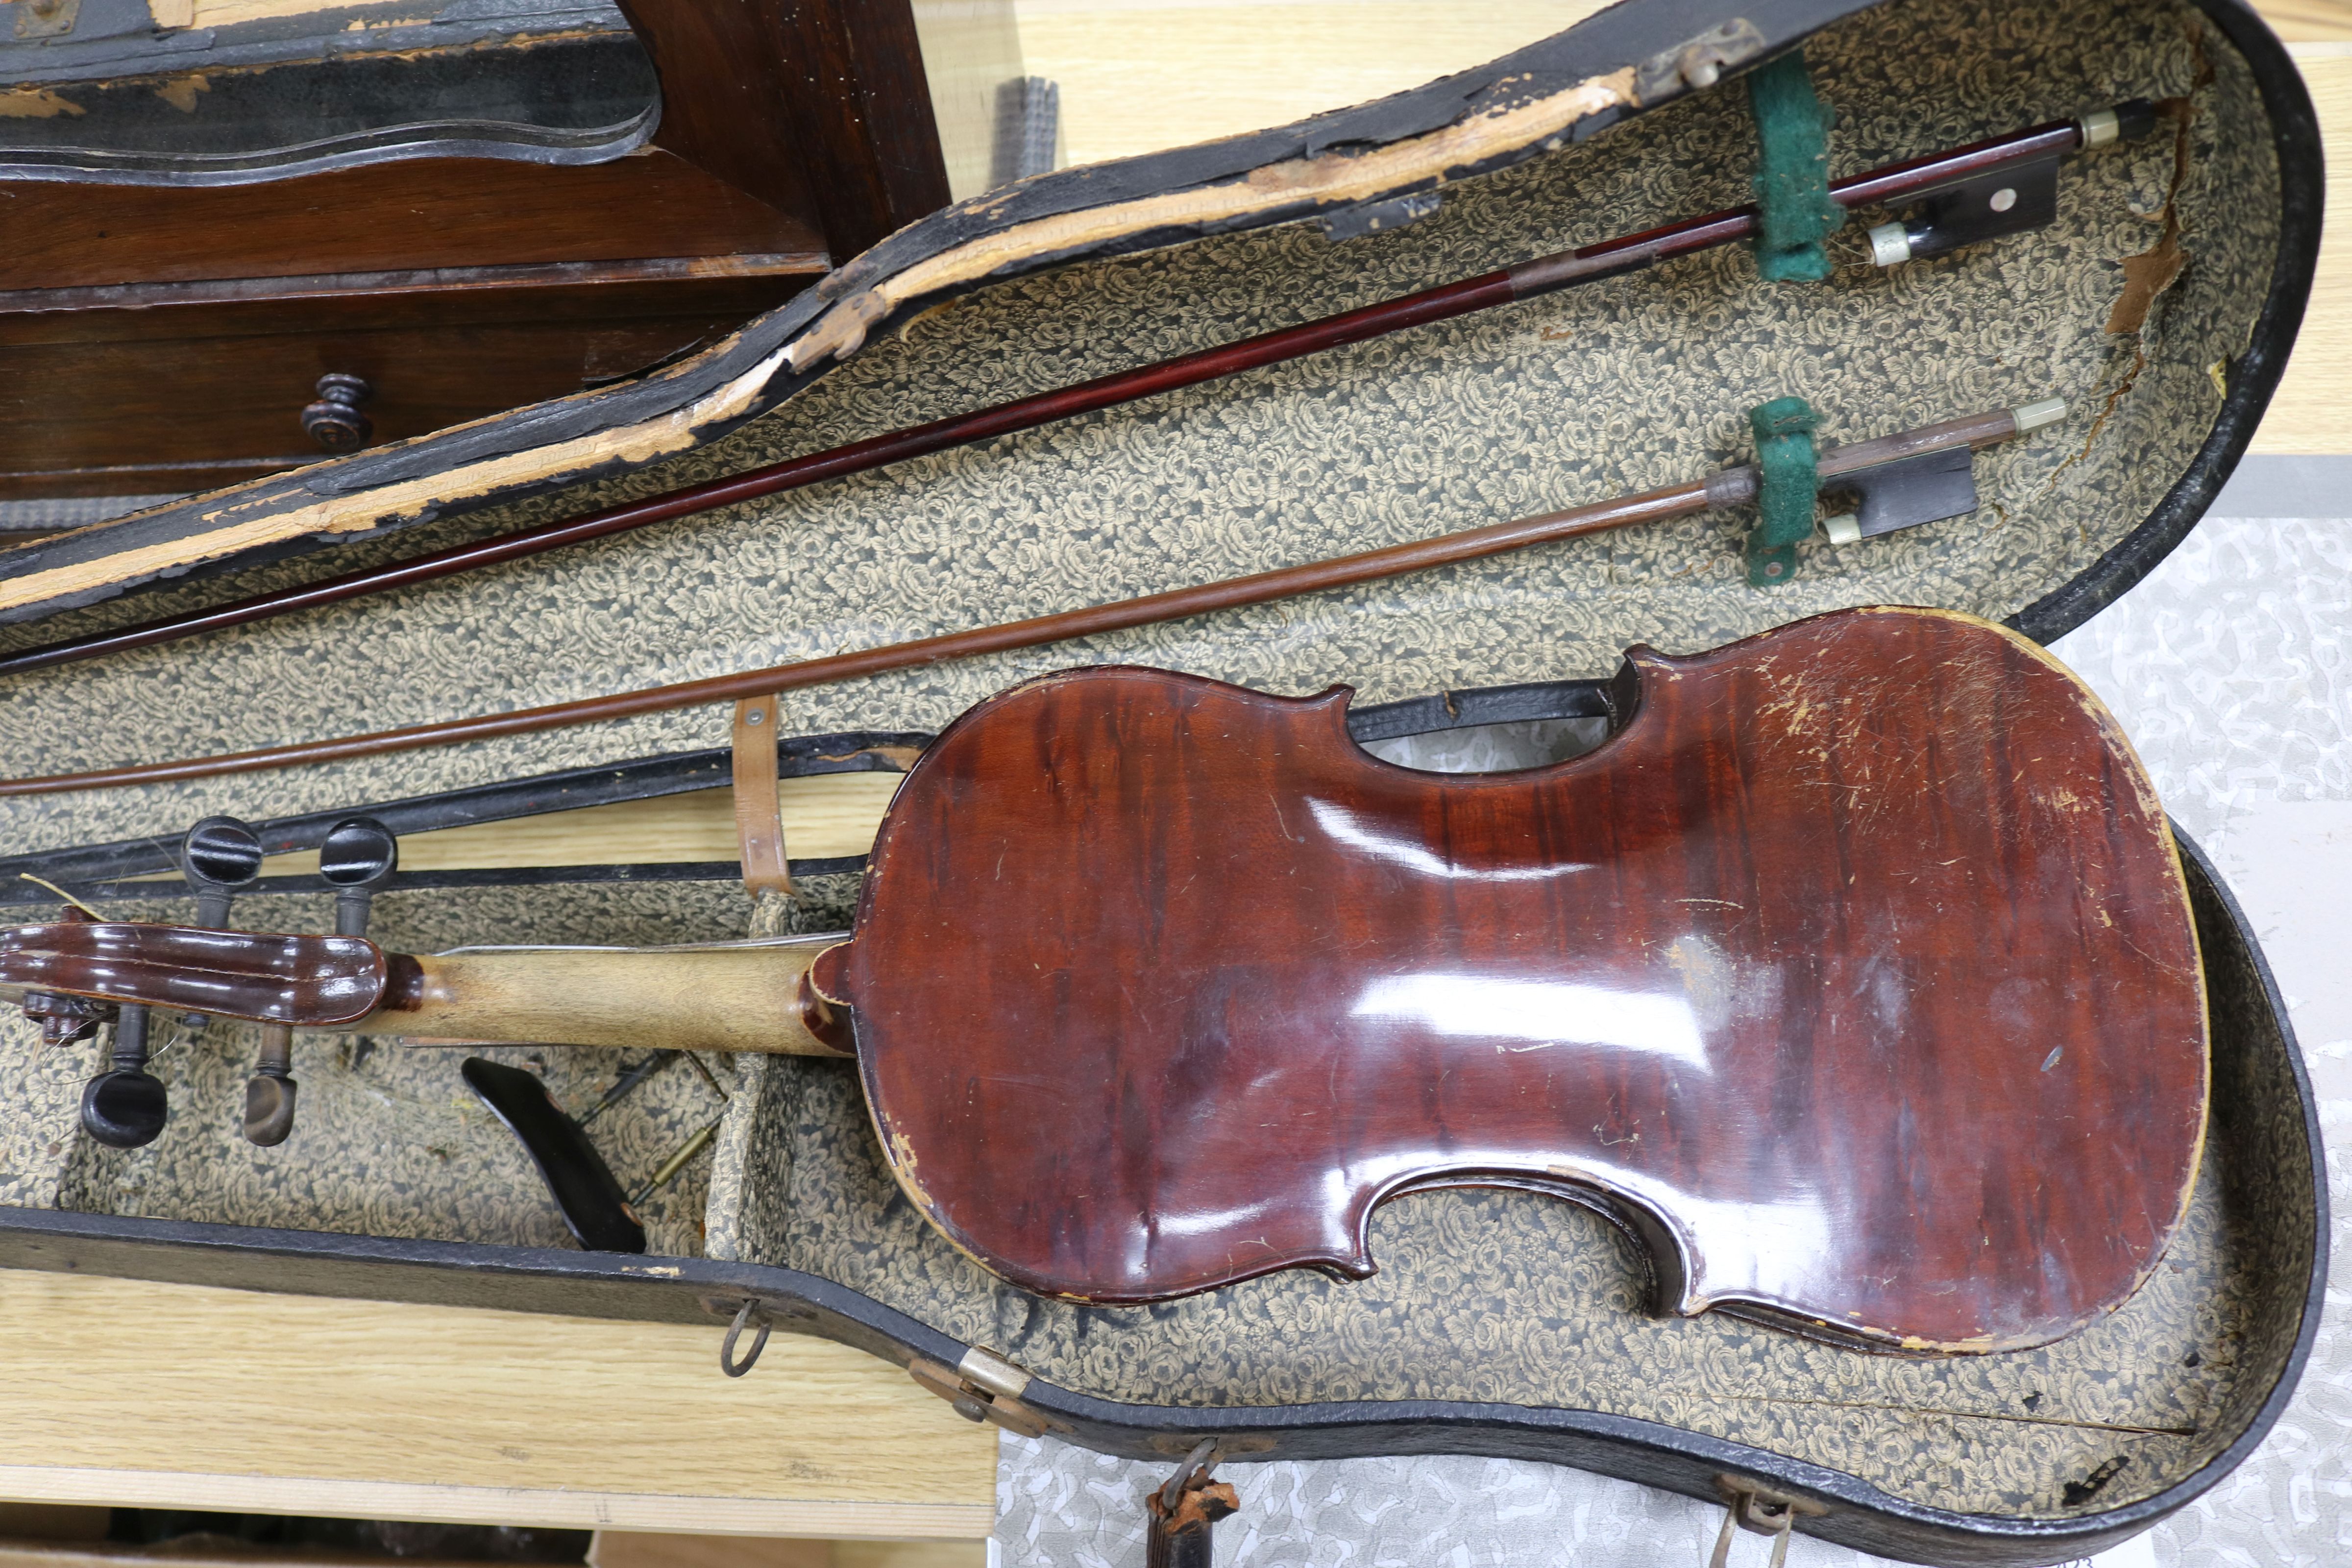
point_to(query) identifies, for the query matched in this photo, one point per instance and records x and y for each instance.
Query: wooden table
(120, 1392)
(2308, 415)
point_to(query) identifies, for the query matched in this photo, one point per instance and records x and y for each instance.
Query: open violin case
(1500, 1322)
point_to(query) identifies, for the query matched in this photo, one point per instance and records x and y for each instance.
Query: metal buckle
(983, 1388)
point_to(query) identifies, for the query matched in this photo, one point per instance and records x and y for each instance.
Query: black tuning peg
(126, 1107)
(269, 1092)
(219, 856)
(359, 857)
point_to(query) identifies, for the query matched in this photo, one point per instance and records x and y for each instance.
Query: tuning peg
(269, 1092)
(219, 856)
(126, 1107)
(359, 854)
(359, 857)
(66, 1020)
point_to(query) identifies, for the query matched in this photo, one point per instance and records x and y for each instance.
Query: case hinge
(984, 1386)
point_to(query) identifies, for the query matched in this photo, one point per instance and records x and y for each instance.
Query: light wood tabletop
(2309, 416)
(162, 1395)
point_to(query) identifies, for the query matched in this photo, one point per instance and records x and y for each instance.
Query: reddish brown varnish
(307, 981)
(1855, 972)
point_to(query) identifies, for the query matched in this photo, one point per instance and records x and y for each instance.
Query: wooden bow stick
(1849, 467)
(1955, 189)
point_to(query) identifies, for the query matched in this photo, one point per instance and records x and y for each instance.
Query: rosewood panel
(1855, 972)
(424, 212)
(83, 409)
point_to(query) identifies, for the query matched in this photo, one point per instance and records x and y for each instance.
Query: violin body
(1854, 974)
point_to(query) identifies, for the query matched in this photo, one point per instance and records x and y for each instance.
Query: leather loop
(759, 823)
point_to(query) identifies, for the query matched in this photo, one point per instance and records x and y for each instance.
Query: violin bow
(1963, 196)
(1914, 477)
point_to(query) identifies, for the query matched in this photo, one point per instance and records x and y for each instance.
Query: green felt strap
(1795, 213)
(1791, 478)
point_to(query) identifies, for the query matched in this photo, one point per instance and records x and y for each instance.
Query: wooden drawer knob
(335, 421)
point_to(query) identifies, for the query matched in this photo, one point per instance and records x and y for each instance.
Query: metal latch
(1753, 1508)
(984, 1386)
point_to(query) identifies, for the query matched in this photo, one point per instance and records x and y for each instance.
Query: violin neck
(696, 999)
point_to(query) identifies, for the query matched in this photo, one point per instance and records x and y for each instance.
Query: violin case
(1500, 1322)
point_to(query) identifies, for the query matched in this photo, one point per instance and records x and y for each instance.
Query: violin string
(181, 1035)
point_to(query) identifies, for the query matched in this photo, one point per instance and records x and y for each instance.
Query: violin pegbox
(125, 1106)
(81, 974)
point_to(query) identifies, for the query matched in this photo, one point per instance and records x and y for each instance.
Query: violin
(1853, 975)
